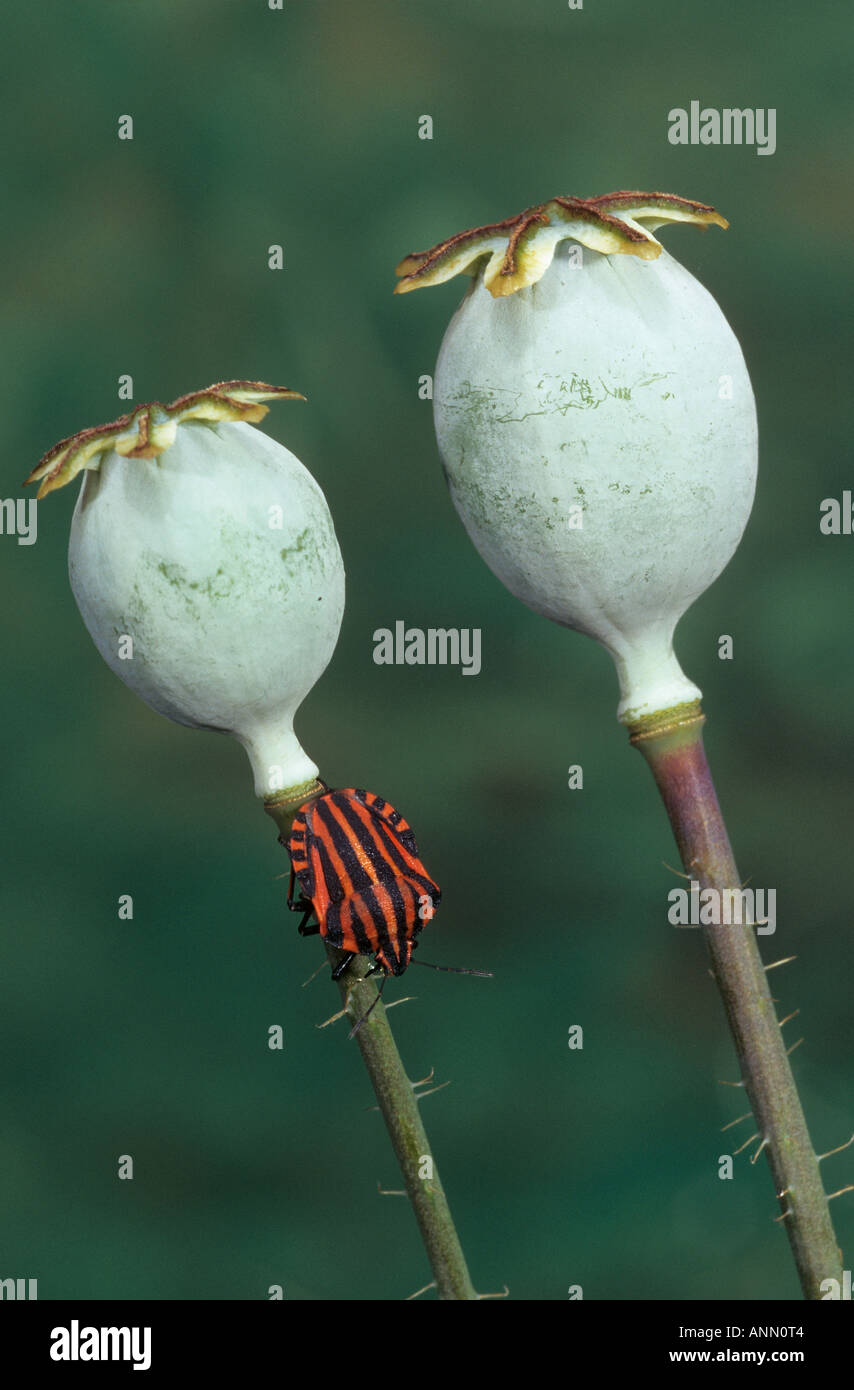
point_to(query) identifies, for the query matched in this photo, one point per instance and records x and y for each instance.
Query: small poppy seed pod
(596, 423)
(205, 565)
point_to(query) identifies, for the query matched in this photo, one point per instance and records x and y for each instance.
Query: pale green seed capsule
(597, 427)
(209, 576)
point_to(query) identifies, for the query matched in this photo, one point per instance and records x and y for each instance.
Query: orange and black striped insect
(357, 864)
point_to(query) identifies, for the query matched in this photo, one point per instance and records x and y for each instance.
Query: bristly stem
(398, 1104)
(673, 746)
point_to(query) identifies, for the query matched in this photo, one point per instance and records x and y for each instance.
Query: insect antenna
(366, 1015)
(455, 969)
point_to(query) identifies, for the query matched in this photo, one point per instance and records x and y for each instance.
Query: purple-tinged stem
(672, 744)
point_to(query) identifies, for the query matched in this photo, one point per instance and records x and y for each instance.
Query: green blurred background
(149, 257)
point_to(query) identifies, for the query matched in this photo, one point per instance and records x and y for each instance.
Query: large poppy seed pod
(596, 423)
(205, 565)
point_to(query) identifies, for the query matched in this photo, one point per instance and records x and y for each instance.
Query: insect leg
(366, 1015)
(342, 966)
(303, 905)
(296, 904)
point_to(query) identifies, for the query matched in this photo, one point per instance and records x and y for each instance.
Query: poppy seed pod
(596, 423)
(205, 565)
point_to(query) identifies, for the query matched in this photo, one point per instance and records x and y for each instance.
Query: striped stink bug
(357, 864)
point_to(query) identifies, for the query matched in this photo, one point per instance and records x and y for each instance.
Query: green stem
(399, 1106)
(672, 744)
(398, 1103)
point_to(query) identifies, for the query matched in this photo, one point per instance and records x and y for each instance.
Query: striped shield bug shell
(356, 861)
